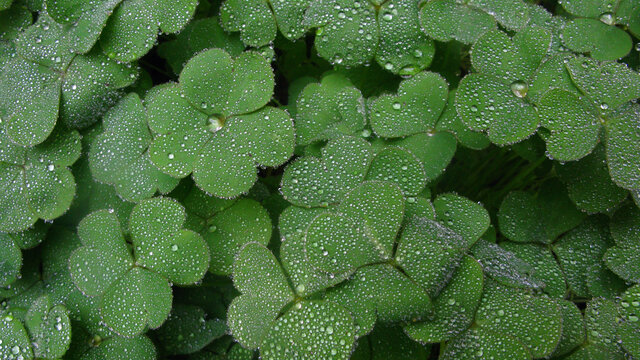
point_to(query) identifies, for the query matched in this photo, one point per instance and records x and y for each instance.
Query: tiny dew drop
(519, 88)
(213, 228)
(396, 106)
(174, 247)
(171, 156)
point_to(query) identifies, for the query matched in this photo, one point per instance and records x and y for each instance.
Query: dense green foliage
(320, 179)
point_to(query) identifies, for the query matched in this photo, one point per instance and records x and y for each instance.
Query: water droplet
(608, 18)
(519, 88)
(215, 124)
(329, 330)
(174, 247)
(171, 156)
(213, 228)
(604, 106)
(51, 167)
(387, 17)
(396, 106)
(15, 350)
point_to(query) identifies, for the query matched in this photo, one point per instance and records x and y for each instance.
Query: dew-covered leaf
(601, 41)
(15, 340)
(623, 258)
(623, 151)
(470, 220)
(573, 333)
(162, 245)
(429, 253)
(10, 260)
(524, 217)
(329, 109)
(450, 121)
(504, 266)
(446, 20)
(476, 343)
(311, 182)
(49, 327)
(588, 183)
(139, 299)
(535, 321)
(573, 124)
(394, 164)
(608, 84)
(454, 307)
(601, 323)
(629, 328)
(122, 348)
(544, 266)
(127, 135)
(415, 109)
(188, 330)
(580, 249)
(329, 333)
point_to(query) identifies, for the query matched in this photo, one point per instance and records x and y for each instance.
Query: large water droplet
(608, 18)
(519, 88)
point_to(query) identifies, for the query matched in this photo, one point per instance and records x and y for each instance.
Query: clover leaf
(353, 32)
(75, 88)
(345, 163)
(10, 252)
(506, 324)
(622, 257)
(187, 330)
(524, 217)
(494, 98)
(385, 342)
(222, 128)
(446, 20)
(127, 134)
(588, 182)
(580, 254)
(594, 30)
(259, 20)
(266, 315)
(45, 332)
(198, 35)
(121, 348)
(329, 109)
(36, 181)
(629, 329)
(226, 226)
(105, 268)
(127, 29)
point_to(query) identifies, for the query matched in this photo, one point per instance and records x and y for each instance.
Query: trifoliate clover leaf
(524, 217)
(226, 226)
(353, 32)
(258, 20)
(580, 252)
(623, 152)
(120, 157)
(415, 109)
(629, 328)
(329, 109)
(122, 348)
(509, 325)
(36, 181)
(14, 20)
(104, 267)
(453, 307)
(10, 254)
(446, 20)
(386, 342)
(505, 267)
(45, 334)
(46, 82)
(544, 265)
(601, 322)
(519, 314)
(347, 162)
(215, 123)
(573, 332)
(266, 316)
(49, 328)
(127, 28)
(451, 122)
(463, 216)
(494, 99)
(188, 330)
(588, 182)
(197, 36)
(594, 30)
(623, 259)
